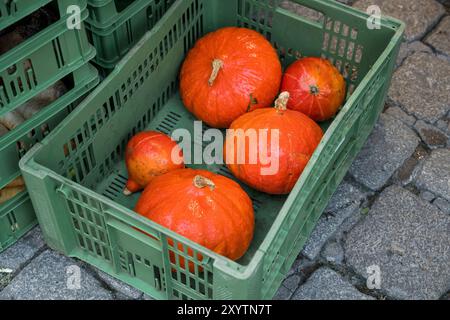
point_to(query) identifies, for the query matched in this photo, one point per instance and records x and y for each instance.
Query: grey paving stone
(120, 287)
(427, 196)
(431, 135)
(346, 194)
(409, 240)
(301, 266)
(443, 125)
(421, 87)
(292, 282)
(333, 252)
(283, 293)
(409, 48)
(22, 251)
(439, 39)
(47, 278)
(443, 205)
(326, 284)
(434, 174)
(401, 115)
(419, 15)
(389, 145)
(325, 229)
(408, 171)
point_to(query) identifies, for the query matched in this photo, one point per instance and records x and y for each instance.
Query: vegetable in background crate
(12, 120)
(42, 100)
(316, 88)
(229, 72)
(148, 155)
(18, 182)
(3, 130)
(209, 209)
(7, 193)
(298, 138)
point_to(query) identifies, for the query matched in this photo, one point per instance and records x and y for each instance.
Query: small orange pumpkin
(316, 88)
(148, 155)
(209, 209)
(229, 72)
(298, 137)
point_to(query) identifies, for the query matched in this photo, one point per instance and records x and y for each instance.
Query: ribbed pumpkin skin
(249, 79)
(149, 154)
(221, 219)
(299, 136)
(309, 74)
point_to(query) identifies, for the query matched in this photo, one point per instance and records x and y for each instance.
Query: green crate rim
(119, 19)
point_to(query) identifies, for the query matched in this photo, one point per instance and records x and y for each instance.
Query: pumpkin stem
(217, 64)
(314, 90)
(202, 182)
(281, 102)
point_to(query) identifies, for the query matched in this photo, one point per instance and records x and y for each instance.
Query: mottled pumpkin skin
(220, 218)
(148, 155)
(316, 87)
(249, 78)
(299, 136)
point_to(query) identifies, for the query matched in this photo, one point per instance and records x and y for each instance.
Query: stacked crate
(115, 26)
(44, 73)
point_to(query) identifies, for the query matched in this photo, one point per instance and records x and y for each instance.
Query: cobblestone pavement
(390, 216)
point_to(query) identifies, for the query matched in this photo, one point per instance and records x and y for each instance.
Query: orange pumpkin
(316, 88)
(229, 72)
(148, 155)
(209, 209)
(285, 156)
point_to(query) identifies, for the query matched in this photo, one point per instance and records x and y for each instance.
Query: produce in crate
(315, 86)
(42, 99)
(148, 155)
(298, 137)
(229, 72)
(3, 130)
(209, 209)
(7, 194)
(12, 120)
(18, 182)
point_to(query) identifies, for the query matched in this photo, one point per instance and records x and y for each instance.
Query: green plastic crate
(13, 10)
(17, 216)
(78, 197)
(43, 59)
(115, 26)
(16, 219)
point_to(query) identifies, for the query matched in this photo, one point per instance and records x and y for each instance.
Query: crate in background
(115, 26)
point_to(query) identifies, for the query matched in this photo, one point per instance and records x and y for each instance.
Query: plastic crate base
(17, 217)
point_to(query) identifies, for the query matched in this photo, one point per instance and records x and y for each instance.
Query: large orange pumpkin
(209, 209)
(229, 72)
(316, 88)
(148, 155)
(285, 156)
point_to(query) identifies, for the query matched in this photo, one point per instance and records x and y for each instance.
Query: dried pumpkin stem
(217, 64)
(202, 182)
(282, 101)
